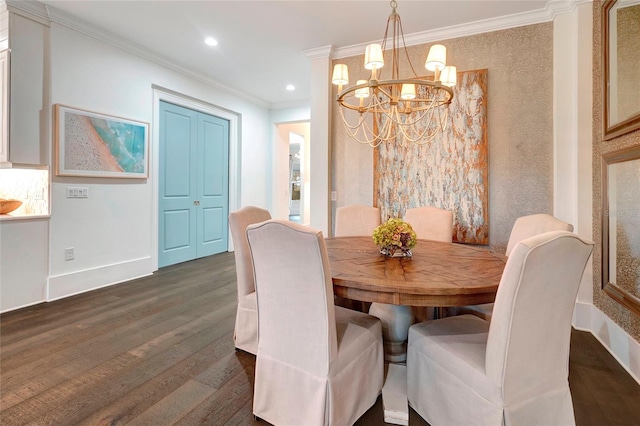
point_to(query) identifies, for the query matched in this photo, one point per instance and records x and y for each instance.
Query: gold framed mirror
(621, 227)
(621, 65)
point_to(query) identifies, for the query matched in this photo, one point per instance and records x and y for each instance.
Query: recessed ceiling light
(211, 41)
(291, 87)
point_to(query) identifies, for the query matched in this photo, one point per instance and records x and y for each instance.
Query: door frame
(167, 95)
(279, 164)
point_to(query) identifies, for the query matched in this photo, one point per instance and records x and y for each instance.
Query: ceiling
(264, 45)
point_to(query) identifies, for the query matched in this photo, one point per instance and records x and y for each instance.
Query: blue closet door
(194, 169)
(213, 185)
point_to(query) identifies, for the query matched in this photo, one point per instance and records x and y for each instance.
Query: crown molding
(320, 52)
(46, 15)
(41, 12)
(29, 9)
(551, 10)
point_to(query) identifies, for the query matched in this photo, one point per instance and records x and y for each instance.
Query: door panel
(194, 170)
(176, 162)
(177, 235)
(215, 153)
(214, 186)
(177, 224)
(212, 220)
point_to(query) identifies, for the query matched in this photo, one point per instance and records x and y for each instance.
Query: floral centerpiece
(395, 238)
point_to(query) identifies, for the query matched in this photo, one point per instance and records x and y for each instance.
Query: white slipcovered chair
(431, 223)
(463, 370)
(317, 364)
(356, 220)
(524, 227)
(246, 329)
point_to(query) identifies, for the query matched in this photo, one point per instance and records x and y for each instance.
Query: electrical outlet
(334, 196)
(77, 192)
(69, 253)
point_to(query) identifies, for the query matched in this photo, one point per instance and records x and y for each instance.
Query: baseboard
(77, 282)
(15, 308)
(582, 316)
(620, 345)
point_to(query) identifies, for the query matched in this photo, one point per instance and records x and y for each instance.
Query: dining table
(437, 274)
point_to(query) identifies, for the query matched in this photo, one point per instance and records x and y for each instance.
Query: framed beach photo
(98, 145)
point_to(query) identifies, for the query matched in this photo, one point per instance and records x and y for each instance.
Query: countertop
(12, 217)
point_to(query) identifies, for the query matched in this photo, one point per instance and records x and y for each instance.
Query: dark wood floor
(159, 351)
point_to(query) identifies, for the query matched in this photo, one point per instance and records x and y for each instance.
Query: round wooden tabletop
(438, 274)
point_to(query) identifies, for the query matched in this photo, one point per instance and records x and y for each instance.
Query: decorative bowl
(395, 251)
(7, 206)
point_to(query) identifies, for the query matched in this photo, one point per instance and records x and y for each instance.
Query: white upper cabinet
(27, 145)
(4, 84)
(4, 107)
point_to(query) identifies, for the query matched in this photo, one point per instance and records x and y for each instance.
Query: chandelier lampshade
(449, 76)
(437, 58)
(373, 57)
(364, 91)
(408, 92)
(340, 75)
(413, 109)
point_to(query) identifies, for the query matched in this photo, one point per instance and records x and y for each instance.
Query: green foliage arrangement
(395, 234)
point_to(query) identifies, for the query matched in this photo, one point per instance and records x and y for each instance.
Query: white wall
(290, 115)
(320, 148)
(573, 85)
(111, 231)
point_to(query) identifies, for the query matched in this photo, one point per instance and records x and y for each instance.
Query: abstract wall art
(450, 172)
(98, 145)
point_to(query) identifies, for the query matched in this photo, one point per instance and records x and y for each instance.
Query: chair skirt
(447, 384)
(340, 398)
(246, 328)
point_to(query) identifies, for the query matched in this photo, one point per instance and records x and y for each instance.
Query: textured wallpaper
(519, 63)
(622, 316)
(449, 172)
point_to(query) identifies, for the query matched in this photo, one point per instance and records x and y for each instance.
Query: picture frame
(621, 105)
(415, 175)
(621, 227)
(92, 144)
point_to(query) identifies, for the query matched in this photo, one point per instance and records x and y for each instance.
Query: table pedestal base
(395, 351)
(396, 320)
(394, 395)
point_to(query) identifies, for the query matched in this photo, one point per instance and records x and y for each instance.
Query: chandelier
(411, 109)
